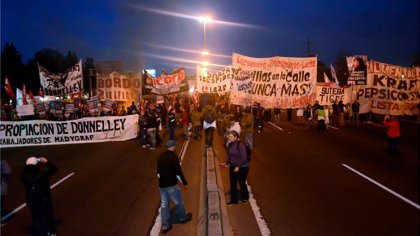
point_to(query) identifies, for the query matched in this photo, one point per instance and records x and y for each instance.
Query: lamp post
(205, 20)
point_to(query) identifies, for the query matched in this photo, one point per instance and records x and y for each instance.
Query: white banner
(63, 83)
(85, 130)
(282, 82)
(214, 83)
(118, 87)
(390, 90)
(327, 94)
(25, 110)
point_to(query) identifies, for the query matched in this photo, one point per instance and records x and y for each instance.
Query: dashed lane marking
(278, 127)
(384, 187)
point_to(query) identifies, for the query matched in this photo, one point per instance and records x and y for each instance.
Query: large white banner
(390, 90)
(85, 130)
(63, 83)
(282, 82)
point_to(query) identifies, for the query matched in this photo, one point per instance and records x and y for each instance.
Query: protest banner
(165, 84)
(326, 94)
(119, 87)
(357, 70)
(280, 82)
(85, 130)
(63, 83)
(390, 90)
(214, 83)
(25, 110)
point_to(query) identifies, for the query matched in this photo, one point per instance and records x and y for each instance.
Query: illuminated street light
(205, 20)
(205, 53)
(205, 63)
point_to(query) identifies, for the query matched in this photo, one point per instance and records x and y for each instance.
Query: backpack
(208, 116)
(247, 148)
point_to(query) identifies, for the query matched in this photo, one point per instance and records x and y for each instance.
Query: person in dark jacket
(169, 173)
(238, 168)
(151, 128)
(172, 123)
(35, 178)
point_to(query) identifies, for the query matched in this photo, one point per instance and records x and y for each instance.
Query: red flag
(9, 90)
(24, 101)
(41, 92)
(31, 96)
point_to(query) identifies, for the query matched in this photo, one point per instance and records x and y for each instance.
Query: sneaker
(165, 230)
(144, 146)
(245, 200)
(231, 203)
(188, 218)
(152, 148)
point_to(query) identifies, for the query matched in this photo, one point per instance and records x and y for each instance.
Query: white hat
(31, 161)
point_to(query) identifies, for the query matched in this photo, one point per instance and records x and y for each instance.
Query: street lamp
(204, 20)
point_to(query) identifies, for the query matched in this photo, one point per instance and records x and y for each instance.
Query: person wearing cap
(169, 173)
(35, 177)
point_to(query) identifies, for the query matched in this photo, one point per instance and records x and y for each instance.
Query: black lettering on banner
(61, 128)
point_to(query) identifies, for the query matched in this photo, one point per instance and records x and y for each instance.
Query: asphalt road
(302, 187)
(300, 180)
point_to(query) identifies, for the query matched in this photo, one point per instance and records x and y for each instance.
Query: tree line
(18, 72)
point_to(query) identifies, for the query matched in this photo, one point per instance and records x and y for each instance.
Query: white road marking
(384, 187)
(262, 224)
(155, 231)
(275, 126)
(24, 204)
(332, 127)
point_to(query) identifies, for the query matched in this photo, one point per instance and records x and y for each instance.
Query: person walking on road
(35, 177)
(172, 123)
(196, 122)
(393, 134)
(169, 172)
(355, 107)
(248, 124)
(238, 168)
(209, 124)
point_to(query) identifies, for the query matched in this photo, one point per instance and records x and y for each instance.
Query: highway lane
(113, 191)
(302, 187)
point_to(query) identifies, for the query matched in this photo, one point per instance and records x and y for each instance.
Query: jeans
(166, 194)
(197, 131)
(152, 136)
(143, 136)
(40, 211)
(355, 118)
(234, 179)
(393, 146)
(171, 133)
(209, 135)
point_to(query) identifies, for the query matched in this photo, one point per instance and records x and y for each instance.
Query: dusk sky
(165, 34)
